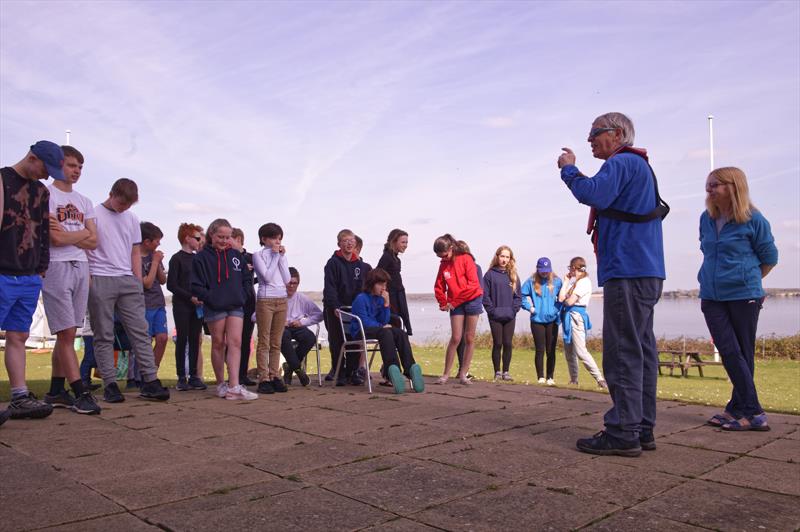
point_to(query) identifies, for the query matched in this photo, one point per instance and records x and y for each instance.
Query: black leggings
(545, 337)
(502, 340)
(394, 344)
(187, 330)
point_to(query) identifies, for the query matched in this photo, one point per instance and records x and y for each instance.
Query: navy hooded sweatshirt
(500, 301)
(217, 278)
(344, 280)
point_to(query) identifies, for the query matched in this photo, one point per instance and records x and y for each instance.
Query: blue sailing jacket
(567, 321)
(546, 308)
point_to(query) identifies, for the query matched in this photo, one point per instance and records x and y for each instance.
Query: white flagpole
(711, 141)
(68, 133)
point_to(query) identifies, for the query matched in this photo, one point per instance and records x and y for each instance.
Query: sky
(434, 117)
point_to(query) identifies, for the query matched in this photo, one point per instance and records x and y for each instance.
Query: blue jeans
(88, 361)
(732, 325)
(630, 355)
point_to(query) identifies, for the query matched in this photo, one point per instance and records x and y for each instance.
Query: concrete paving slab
(636, 521)
(793, 435)
(330, 474)
(245, 447)
(296, 459)
(768, 475)
(676, 460)
(400, 525)
(412, 486)
(726, 441)
(783, 449)
(189, 430)
(724, 507)
(124, 521)
(401, 438)
(517, 507)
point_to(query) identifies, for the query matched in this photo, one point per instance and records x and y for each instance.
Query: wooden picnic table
(683, 360)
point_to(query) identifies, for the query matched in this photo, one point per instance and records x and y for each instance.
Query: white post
(711, 141)
(68, 133)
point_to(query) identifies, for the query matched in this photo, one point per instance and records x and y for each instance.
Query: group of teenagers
(53, 240)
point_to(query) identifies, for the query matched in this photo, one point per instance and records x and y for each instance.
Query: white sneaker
(240, 393)
(498, 376)
(551, 382)
(541, 380)
(222, 389)
(507, 376)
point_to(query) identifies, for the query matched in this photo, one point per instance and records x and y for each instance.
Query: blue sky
(430, 116)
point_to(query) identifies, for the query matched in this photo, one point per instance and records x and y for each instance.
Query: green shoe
(398, 381)
(417, 382)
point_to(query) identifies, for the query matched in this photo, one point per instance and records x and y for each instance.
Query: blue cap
(543, 265)
(51, 155)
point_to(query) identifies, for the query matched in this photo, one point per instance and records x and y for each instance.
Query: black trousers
(305, 341)
(335, 342)
(545, 337)
(395, 348)
(247, 335)
(502, 340)
(187, 331)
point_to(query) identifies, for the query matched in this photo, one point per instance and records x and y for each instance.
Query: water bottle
(199, 311)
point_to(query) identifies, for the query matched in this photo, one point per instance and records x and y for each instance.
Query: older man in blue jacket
(626, 219)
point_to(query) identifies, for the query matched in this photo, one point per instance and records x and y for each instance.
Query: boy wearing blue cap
(24, 257)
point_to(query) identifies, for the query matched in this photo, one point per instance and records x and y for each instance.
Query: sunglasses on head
(598, 130)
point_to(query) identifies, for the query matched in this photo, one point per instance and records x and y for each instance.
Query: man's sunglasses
(597, 130)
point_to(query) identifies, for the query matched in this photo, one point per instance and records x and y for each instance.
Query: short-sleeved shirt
(117, 233)
(583, 289)
(71, 209)
(153, 296)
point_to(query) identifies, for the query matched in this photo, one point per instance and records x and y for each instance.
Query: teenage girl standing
(396, 243)
(502, 300)
(458, 290)
(540, 298)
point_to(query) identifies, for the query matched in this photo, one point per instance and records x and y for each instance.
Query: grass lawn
(777, 381)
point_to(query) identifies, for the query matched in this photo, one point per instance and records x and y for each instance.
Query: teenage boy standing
(116, 286)
(153, 276)
(66, 287)
(24, 257)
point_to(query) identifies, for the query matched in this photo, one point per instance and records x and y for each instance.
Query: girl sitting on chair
(372, 307)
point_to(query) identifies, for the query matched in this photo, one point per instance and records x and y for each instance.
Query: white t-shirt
(117, 233)
(583, 289)
(71, 209)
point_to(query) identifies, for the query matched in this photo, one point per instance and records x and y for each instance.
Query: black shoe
(278, 385)
(182, 385)
(647, 440)
(287, 374)
(196, 383)
(5, 415)
(245, 381)
(111, 393)
(132, 384)
(266, 387)
(154, 390)
(29, 406)
(342, 379)
(59, 400)
(604, 444)
(356, 380)
(89, 385)
(86, 404)
(329, 376)
(304, 380)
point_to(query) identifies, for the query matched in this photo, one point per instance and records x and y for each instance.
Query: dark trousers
(732, 325)
(630, 355)
(335, 342)
(395, 348)
(502, 340)
(305, 341)
(247, 335)
(187, 332)
(88, 362)
(545, 337)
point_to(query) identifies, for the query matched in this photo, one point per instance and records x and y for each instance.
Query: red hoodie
(457, 281)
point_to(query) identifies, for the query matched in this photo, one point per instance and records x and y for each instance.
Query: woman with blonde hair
(502, 300)
(540, 298)
(738, 252)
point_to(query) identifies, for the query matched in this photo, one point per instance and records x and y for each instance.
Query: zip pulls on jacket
(219, 266)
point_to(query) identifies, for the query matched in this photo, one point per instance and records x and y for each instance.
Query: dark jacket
(217, 278)
(179, 279)
(500, 301)
(397, 293)
(249, 281)
(344, 280)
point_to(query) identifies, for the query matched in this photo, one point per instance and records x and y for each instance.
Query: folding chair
(316, 348)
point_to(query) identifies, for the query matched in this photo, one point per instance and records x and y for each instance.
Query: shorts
(19, 295)
(156, 321)
(216, 315)
(65, 291)
(470, 308)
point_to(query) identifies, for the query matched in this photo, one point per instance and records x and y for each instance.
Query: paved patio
(484, 457)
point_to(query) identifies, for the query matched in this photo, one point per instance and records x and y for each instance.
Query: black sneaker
(266, 387)
(86, 404)
(355, 379)
(182, 385)
(89, 385)
(154, 390)
(604, 444)
(278, 385)
(132, 384)
(59, 400)
(329, 376)
(5, 415)
(246, 381)
(29, 406)
(647, 440)
(287, 374)
(304, 380)
(111, 393)
(196, 383)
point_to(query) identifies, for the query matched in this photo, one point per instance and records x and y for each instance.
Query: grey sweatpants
(577, 350)
(124, 297)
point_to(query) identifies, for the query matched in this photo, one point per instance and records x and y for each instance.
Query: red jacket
(457, 281)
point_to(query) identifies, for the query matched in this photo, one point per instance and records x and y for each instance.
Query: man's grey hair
(620, 121)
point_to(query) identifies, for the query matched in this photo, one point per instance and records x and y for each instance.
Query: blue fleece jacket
(624, 250)
(371, 311)
(732, 261)
(499, 299)
(546, 308)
